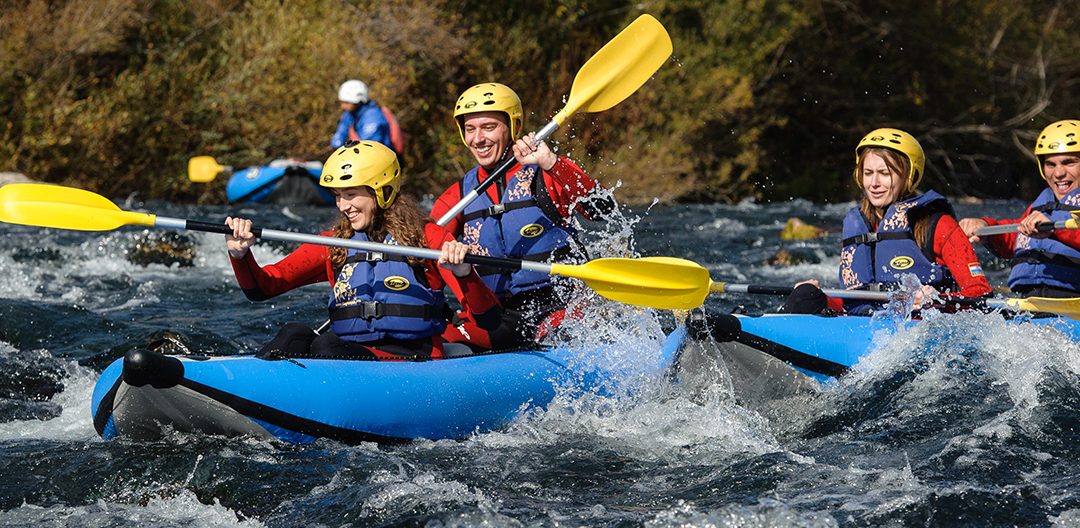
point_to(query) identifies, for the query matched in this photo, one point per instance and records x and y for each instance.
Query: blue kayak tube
(286, 182)
(793, 352)
(296, 400)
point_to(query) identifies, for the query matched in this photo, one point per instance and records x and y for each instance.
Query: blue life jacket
(525, 224)
(366, 122)
(875, 260)
(1046, 261)
(378, 296)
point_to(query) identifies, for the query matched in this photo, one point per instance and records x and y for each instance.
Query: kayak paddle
(1068, 307)
(655, 282)
(1044, 227)
(203, 169)
(606, 79)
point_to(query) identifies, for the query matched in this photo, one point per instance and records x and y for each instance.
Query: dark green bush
(762, 98)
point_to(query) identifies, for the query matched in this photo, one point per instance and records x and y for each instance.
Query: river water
(979, 431)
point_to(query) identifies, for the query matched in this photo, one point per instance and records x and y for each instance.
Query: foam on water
(180, 509)
(73, 423)
(766, 513)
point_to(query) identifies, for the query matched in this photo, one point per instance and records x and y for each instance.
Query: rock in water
(163, 248)
(786, 257)
(796, 229)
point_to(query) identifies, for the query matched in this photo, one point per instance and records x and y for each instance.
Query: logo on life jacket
(532, 230)
(396, 283)
(902, 262)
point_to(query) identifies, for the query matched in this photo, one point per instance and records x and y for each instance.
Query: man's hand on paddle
(528, 153)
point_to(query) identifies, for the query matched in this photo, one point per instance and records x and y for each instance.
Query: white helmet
(353, 91)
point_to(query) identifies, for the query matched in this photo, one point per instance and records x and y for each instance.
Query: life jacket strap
(870, 238)
(374, 256)
(375, 309)
(500, 208)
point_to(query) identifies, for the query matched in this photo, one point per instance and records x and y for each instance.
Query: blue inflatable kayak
(282, 181)
(793, 352)
(298, 400)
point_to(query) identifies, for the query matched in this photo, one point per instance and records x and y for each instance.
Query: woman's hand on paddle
(1030, 225)
(527, 151)
(452, 258)
(970, 226)
(241, 238)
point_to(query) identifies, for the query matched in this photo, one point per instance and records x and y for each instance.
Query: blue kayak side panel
(844, 340)
(448, 398)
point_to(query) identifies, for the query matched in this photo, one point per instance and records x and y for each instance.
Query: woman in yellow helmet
(381, 306)
(895, 231)
(1045, 263)
(524, 215)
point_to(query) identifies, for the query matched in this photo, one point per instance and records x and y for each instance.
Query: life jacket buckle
(369, 310)
(496, 209)
(374, 256)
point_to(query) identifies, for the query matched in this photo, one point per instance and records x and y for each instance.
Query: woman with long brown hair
(382, 306)
(896, 231)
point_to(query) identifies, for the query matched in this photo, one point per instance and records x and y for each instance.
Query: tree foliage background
(762, 98)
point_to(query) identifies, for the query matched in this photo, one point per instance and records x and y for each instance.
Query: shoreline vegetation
(761, 99)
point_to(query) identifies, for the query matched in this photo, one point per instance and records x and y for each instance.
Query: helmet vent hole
(346, 177)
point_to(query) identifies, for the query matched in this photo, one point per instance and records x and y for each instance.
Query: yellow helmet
(489, 97)
(364, 163)
(900, 141)
(1057, 138)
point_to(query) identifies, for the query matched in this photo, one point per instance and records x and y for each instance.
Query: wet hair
(402, 220)
(898, 164)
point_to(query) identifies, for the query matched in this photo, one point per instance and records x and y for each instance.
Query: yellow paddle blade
(42, 205)
(665, 283)
(619, 68)
(1068, 307)
(203, 169)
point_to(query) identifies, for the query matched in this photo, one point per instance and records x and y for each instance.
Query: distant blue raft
(145, 394)
(282, 181)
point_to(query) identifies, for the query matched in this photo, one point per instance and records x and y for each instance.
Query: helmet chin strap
(505, 154)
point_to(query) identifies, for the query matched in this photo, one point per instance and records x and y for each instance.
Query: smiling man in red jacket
(524, 215)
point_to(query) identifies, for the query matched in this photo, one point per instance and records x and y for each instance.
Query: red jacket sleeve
(953, 250)
(447, 200)
(566, 183)
(306, 265)
(1069, 237)
(474, 295)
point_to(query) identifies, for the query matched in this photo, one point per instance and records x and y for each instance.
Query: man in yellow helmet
(523, 215)
(1045, 263)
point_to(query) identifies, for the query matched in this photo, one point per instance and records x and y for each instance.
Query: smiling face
(357, 204)
(1062, 172)
(487, 135)
(881, 183)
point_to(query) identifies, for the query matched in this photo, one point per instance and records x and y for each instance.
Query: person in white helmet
(362, 119)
